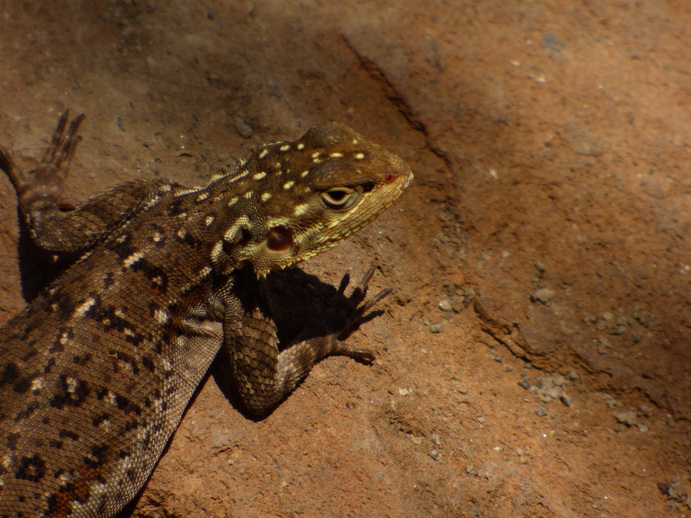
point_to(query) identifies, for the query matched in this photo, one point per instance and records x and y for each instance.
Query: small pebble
(435, 328)
(541, 412)
(628, 418)
(243, 129)
(435, 454)
(543, 295)
(445, 305)
(524, 384)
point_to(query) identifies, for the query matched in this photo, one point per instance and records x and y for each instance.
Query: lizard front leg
(55, 224)
(263, 375)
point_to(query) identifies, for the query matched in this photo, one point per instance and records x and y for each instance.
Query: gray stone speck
(543, 295)
(541, 412)
(243, 129)
(628, 418)
(524, 384)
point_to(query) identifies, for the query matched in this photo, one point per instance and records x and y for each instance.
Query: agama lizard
(96, 373)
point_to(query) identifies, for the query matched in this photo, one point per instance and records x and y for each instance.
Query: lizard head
(296, 199)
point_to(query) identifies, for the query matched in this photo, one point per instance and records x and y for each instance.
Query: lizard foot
(47, 180)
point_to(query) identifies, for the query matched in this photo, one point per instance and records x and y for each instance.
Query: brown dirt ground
(535, 358)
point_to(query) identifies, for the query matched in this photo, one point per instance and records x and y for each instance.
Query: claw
(52, 149)
(374, 301)
(367, 277)
(358, 353)
(61, 150)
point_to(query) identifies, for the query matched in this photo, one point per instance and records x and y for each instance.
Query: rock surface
(534, 359)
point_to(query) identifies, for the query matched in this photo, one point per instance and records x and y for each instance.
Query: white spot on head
(305, 173)
(285, 147)
(119, 313)
(336, 155)
(153, 201)
(359, 156)
(36, 384)
(217, 252)
(301, 146)
(203, 196)
(266, 196)
(181, 191)
(157, 237)
(121, 239)
(230, 234)
(232, 201)
(165, 188)
(288, 184)
(263, 153)
(301, 209)
(248, 195)
(355, 142)
(133, 259)
(203, 273)
(81, 311)
(275, 222)
(316, 154)
(182, 233)
(129, 332)
(112, 398)
(158, 280)
(230, 179)
(161, 316)
(182, 215)
(259, 175)
(208, 220)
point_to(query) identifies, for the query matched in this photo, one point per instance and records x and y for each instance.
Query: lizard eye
(340, 198)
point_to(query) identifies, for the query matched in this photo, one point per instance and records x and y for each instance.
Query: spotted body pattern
(96, 373)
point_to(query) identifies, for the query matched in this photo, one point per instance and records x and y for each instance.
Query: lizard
(97, 371)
